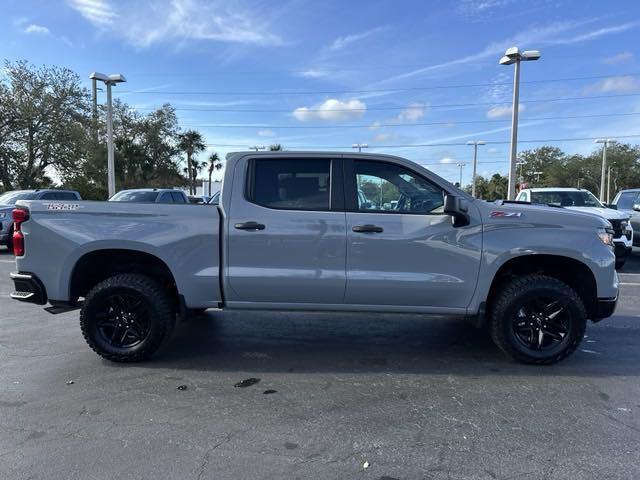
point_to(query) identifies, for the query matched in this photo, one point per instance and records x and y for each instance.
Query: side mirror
(458, 208)
(636, 207)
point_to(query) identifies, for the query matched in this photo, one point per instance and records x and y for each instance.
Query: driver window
(388, 188)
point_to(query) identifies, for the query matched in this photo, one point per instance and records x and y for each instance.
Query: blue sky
(324, 75)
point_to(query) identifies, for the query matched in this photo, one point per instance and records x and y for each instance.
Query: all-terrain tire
(151, 300)
(508, 301)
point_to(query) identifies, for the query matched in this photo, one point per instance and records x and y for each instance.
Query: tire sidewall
(576, 319)
(94, 303)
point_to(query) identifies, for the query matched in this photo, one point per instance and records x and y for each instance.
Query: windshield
(135, 196)
(569, 198)
(10, 198)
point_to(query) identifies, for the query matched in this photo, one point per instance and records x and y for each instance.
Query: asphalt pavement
(326, 396)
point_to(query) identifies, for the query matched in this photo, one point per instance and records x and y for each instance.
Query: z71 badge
(62, 206)
(497, 213)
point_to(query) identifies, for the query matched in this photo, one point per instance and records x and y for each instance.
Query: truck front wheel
(126, 318)
(537, 319)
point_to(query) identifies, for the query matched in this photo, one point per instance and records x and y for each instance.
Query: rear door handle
(367, 229)
(249, 226)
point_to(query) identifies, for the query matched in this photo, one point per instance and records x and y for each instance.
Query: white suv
(585, 201)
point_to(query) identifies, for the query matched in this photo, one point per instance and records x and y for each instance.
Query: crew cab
(9, 199)
(584, 201)
(290, 232)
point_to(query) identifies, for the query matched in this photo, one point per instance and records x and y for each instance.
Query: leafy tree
(276, 147)
(44, 123)
(493, 189)
(191, 143)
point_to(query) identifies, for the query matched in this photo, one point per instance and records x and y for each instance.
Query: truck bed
(185, 237)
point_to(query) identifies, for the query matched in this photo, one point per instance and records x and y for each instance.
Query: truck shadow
(632, 265)
(351, 343)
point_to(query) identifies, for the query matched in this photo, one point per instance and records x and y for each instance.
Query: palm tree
(191, 142)
(214, 164)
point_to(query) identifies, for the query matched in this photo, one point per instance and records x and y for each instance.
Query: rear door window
(291, 184)
(166, 198)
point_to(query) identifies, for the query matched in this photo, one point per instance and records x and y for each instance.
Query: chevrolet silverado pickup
(291, 232)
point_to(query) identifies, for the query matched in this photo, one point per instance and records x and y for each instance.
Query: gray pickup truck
(291, 233)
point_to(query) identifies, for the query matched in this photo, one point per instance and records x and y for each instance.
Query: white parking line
(628, 283)
(8, 261)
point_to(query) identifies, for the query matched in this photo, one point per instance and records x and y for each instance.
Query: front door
(402, 250)
(287, 232)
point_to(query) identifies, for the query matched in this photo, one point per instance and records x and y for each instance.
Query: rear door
(286, 231)
(402, 250)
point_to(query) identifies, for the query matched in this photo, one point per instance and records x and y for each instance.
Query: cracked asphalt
(411, 398)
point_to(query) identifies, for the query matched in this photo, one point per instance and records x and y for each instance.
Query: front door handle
(367, 229)
(249, 226)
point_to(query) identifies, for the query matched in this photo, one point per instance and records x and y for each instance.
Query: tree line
(48, 137)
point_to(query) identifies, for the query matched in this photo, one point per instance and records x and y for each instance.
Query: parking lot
(339, 396)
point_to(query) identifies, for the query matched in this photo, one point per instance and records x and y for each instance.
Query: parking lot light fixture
(359, 146)
(475, 144)
(605, 142)
(109, 81)
(513, 56)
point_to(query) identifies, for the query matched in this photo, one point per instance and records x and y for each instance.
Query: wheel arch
(98, 265)
(573, 272)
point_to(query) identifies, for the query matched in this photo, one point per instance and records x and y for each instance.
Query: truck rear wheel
(537, 319)
(126, 318)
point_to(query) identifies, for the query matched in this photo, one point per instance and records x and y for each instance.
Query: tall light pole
(461, 165)
(605, 142)
(109, 81)
(257, 147)
(475, 144)
(608, 184)
(359, 146)
(513, 56)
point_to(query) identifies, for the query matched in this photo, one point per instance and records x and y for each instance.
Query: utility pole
(513, 57)
(475, 164)
(359, 146)
(461, 165)
(94, 109)
(605, 142)
(608, 185)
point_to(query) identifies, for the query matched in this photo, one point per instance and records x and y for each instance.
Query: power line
(379, 90)
(420, 145)
(406, 125)
(426, 105)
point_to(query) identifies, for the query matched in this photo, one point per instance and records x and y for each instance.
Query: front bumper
(28, 288)
(605, 308)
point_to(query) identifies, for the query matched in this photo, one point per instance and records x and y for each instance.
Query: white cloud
(98, 12)
(266, 133)
(618, 58)
(178, 21)
(539, 36)
(331, 110)
(414, 111)
(502, 111)
(614, 85)
(375, 125)
(475, 7)
(313, 73)
(382, 137)
(492, 150)
(342, 42)
(446, 160)
(37, 29)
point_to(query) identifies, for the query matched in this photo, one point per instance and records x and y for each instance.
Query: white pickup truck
(291, 232)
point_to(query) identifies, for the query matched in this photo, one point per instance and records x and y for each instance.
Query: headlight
(606, 235)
